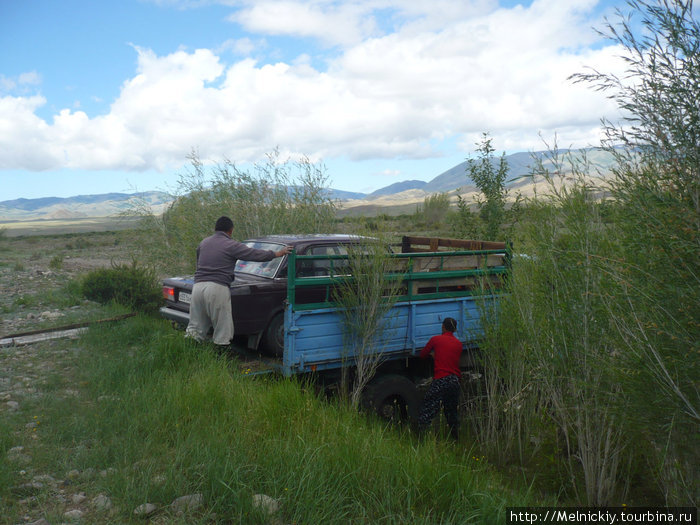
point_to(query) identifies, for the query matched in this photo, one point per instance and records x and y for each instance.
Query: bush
(130, 285)
(656, 190)
(495, 218)
(277, 196)
(434, 209)
(56, 262)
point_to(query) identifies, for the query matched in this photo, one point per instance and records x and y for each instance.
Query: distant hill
(399, 187)
(404, 195)
(342, 195)
(81, 200)
(80, 206)
(520, 165)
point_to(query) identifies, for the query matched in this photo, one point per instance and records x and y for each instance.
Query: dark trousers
(442, 392)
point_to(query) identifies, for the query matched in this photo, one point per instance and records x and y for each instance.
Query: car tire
(273, 336)
(393, 398)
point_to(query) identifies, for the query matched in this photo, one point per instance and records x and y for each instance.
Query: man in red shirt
(445, 388)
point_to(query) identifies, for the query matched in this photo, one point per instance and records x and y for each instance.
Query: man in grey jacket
(211, 295)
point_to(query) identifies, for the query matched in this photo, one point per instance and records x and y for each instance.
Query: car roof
(299, 239)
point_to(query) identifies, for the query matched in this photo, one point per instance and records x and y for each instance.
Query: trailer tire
(393, 398)
(273, 336)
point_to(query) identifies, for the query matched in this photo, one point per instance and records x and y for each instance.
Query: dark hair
(449, 324)
(223, 224)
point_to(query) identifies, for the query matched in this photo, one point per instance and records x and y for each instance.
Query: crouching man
(445, 389)
(211, 295)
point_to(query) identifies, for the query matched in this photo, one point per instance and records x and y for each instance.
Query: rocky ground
(36, 275)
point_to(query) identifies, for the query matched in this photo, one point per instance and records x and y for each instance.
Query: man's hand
(284, 251)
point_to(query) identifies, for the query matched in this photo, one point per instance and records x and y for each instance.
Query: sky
(101, 96)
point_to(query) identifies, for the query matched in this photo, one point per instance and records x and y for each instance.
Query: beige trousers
(211, 306)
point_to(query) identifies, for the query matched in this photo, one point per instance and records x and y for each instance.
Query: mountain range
(401, 196)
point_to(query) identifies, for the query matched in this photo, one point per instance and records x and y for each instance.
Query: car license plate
(184, 297)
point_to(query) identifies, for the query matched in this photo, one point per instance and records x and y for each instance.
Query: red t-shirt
(447, 349)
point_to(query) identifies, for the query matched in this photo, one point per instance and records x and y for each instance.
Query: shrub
(56, 262)
(277, 196)
(495, 219)
(366, 301)
(434, 209)
(130, 285)
(656, 190)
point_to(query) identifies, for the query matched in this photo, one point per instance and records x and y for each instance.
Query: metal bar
(68, 326)
(408, 277)
(291, 276)
(44, 336)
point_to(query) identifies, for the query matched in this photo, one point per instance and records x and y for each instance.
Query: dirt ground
(35, 271)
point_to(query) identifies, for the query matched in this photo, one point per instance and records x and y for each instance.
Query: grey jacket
(217, 256)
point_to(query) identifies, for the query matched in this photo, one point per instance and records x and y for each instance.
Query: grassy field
(132, 414)
(64, 226)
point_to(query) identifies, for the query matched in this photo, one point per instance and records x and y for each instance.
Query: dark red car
(260, 288)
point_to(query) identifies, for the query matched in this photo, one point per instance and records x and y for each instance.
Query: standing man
(211, 295)
(445, 388)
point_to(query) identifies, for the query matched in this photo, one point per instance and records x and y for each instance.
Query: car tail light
(169, 293)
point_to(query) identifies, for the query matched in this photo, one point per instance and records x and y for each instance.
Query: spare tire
(393, 398)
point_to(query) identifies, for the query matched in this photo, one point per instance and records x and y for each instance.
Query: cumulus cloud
(29, 78)
(385, 94)
(332, 22)
(20, 82)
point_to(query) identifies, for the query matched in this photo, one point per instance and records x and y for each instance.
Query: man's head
(449, 325)
(223, 224)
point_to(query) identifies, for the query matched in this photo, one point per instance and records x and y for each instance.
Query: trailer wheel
(393, 398)
(273, 337)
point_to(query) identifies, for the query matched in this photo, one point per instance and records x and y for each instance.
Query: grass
(161, 417)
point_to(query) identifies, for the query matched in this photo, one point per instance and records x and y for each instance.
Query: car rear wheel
(393, 398)
(273, 337)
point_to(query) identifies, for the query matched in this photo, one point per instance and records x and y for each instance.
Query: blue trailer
(462, 284)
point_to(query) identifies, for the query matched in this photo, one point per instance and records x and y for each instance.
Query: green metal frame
(294, 282)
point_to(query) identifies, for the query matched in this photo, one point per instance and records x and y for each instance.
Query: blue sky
(102, 96)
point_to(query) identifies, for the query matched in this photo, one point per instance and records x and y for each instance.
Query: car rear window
(262, 269)
(322, 267)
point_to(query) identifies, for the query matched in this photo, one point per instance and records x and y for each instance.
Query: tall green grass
(590, 377)
(173, 418)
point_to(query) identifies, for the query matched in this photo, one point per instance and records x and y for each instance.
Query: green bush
(496, 213)
(130, 285)
(434, 209)
(56, 262)
(654, 306)
(276, 196)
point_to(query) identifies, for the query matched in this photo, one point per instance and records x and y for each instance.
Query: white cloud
(25, 141)
(450, 72)
(331, 22)
(29, 78)
(7, 84)
(20, 82)
(240, 46)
